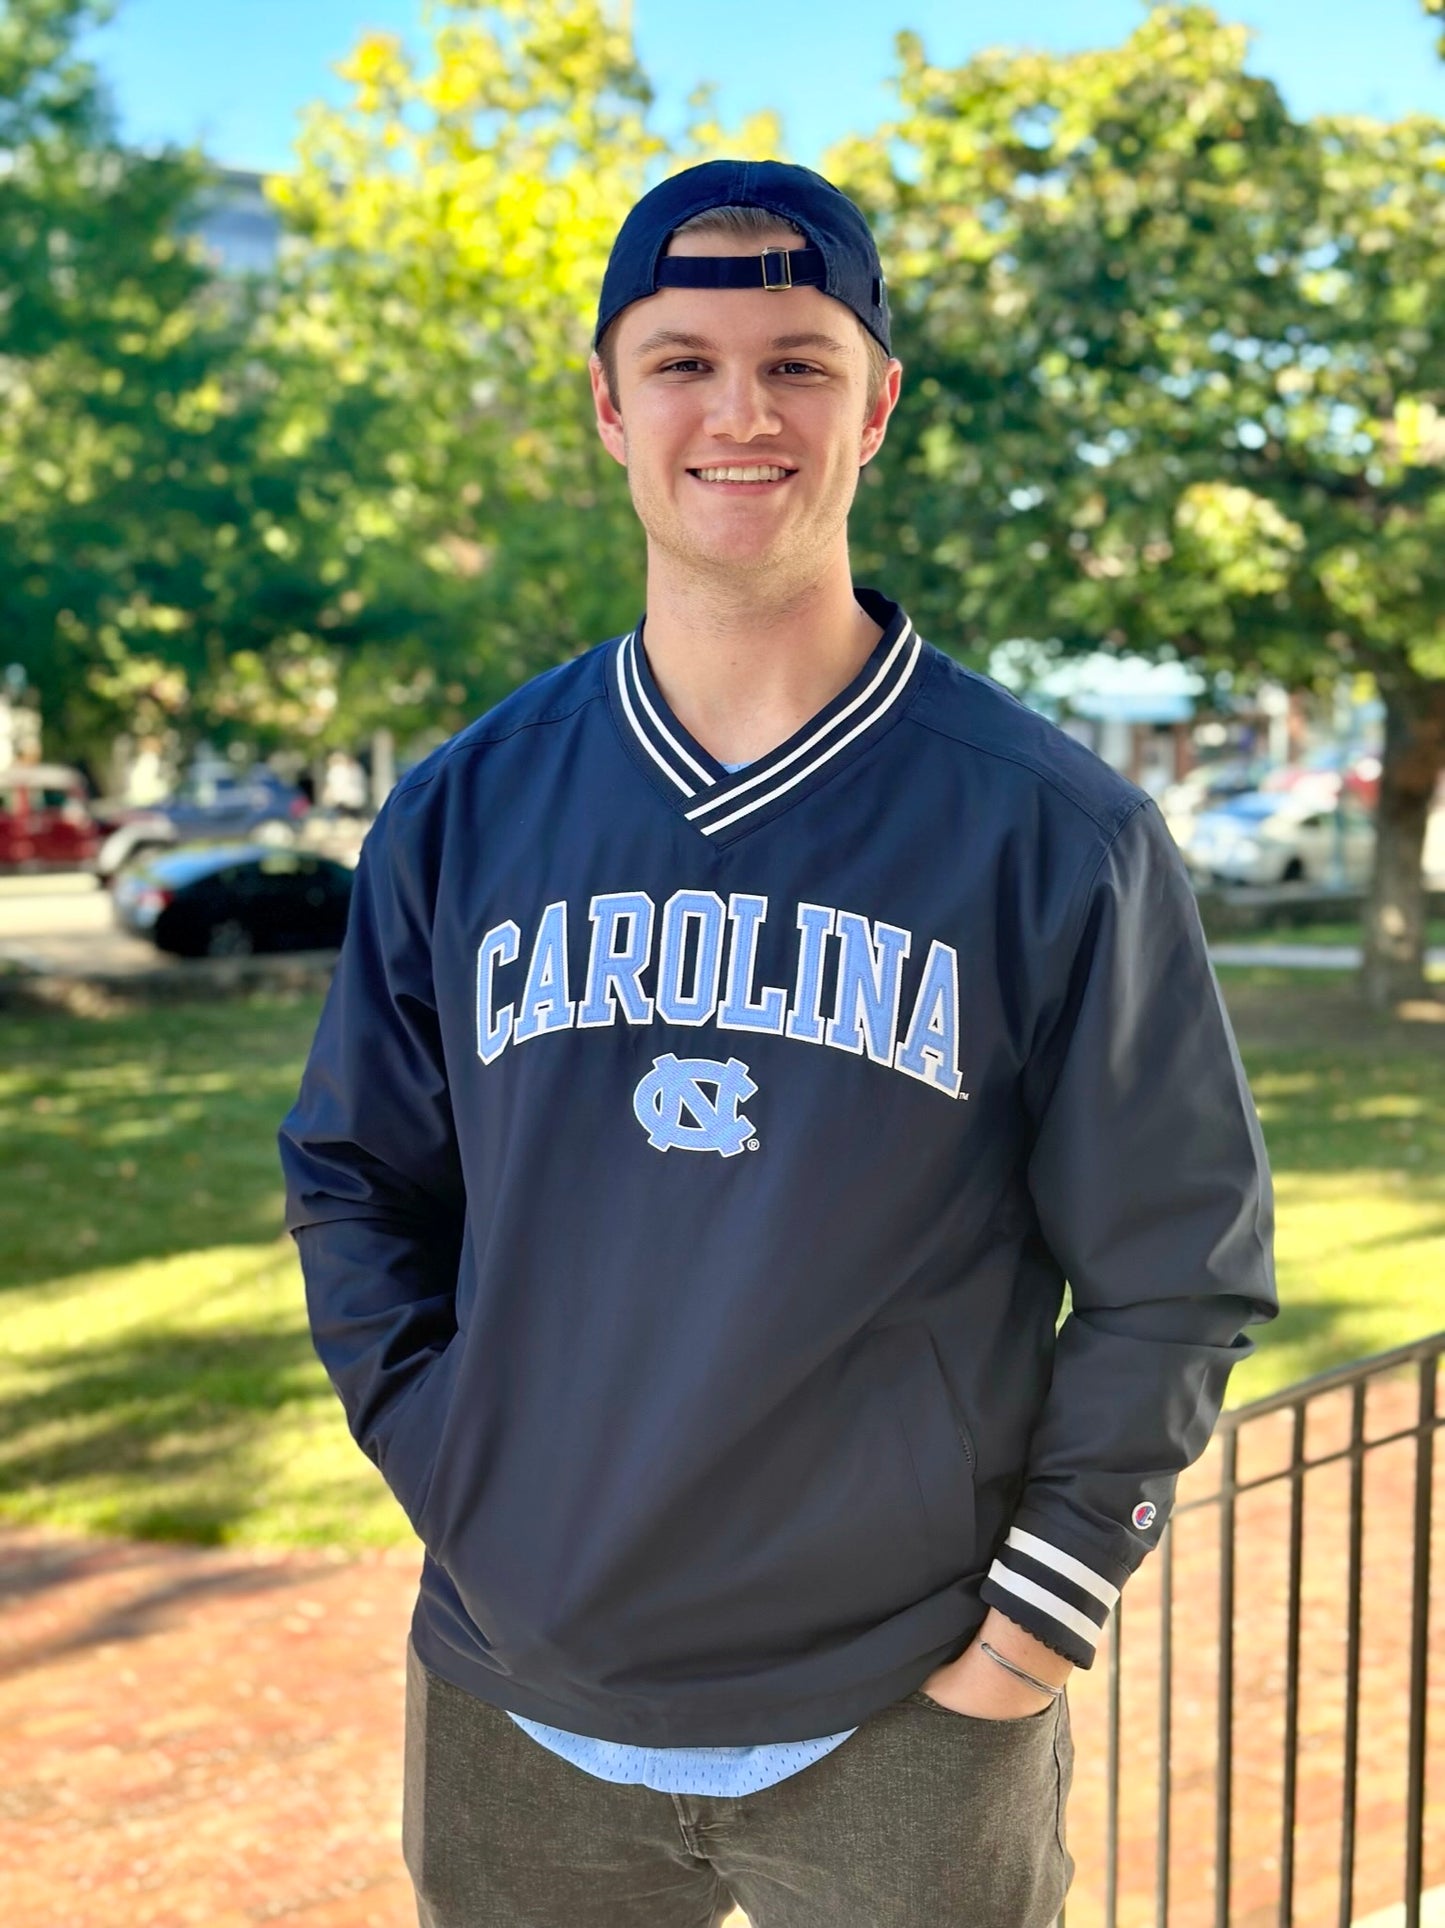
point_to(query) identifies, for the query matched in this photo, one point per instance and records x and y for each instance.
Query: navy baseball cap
(840, 257)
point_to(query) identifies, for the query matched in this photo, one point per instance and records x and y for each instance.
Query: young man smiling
(741, 1035)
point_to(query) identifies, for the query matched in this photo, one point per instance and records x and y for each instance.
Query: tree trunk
(1394, 964)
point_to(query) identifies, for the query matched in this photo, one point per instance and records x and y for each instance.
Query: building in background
(1151, 721)
(237, 225)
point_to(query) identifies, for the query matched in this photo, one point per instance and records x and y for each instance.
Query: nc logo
(677, 1114)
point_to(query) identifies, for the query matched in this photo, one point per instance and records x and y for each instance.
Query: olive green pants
(923, 1818)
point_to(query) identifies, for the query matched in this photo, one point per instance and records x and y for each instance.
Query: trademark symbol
(752, 1144)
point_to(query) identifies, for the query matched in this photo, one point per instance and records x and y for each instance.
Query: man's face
(742, 419)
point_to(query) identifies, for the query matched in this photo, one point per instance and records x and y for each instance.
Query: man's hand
(974, 1684)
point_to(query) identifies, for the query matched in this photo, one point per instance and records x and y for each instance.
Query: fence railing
(1271, 1762)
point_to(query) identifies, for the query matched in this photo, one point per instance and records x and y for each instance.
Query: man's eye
(680, 367)
(799, 368)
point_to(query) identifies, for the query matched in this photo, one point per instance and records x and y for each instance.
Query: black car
(231, 900)
(251, 805)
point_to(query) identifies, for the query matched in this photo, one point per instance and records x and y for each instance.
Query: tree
(99, 350)
(158, 545)
(1175, 380)
(456, 215)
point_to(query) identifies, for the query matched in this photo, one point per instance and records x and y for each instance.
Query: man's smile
(752, 478)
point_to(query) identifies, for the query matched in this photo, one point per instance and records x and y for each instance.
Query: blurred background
(298, 476)
(298, 472)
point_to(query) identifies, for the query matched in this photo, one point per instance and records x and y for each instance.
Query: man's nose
(741, 409)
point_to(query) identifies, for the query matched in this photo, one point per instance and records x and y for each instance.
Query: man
(742, 1033)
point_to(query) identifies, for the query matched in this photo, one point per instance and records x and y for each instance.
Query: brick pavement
(212, 1737)
(206, 1737)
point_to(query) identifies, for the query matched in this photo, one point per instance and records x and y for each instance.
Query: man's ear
(876, 426)
(609, 421)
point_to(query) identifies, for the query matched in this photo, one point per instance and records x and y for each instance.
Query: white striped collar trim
(824, 756)
(763, 781)
(1065, 1563)
(812, 741)
(633, 692)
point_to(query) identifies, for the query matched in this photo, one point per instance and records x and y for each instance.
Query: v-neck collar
(722, 804)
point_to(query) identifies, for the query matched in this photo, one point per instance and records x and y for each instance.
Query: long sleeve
(373, 1178)
(1151, 1185)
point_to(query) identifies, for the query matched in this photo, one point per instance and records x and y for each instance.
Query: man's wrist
(1024, 1649)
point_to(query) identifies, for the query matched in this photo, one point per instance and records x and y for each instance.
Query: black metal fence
(1272, 1762)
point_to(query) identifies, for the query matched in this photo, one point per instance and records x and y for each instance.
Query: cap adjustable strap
(774, 268)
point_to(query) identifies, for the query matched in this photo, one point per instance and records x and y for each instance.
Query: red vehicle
(45, 821)
(1321, 773)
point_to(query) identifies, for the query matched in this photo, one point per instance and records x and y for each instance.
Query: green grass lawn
(1353, 1109)
(1341, 933)
(157, 1377)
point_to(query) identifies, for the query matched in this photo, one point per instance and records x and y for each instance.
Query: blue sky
(232, 74)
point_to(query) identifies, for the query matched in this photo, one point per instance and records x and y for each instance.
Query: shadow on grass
(1390, 1241)
(161, 1425)
(1313, 1011)
(145, 1135)
(1307, 1337)
(1378, 1114)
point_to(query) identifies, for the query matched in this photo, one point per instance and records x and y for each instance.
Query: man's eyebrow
(668, 338)
(809, 341)
(674, 338)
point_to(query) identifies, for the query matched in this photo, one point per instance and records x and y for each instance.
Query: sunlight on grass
(1337, 933)
(1357, 1145)
(181, 1398)
(1360, 1259)
(1278, 977)
(157, 1376)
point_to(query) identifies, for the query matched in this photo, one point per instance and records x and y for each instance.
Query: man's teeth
(742, 475)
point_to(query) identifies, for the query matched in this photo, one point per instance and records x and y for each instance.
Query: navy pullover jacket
(687, 1171)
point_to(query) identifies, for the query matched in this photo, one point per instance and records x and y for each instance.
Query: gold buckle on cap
(785, 258)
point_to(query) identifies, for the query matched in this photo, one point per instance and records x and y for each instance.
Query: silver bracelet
(1018, 1672)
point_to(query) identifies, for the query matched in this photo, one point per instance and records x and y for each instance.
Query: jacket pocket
(413, 1445)
(941, 1449)
(814, 1530)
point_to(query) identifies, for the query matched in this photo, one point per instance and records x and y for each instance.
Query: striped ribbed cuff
(1050, 1593)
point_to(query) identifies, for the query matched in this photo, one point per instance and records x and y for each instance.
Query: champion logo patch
(1144, 1515)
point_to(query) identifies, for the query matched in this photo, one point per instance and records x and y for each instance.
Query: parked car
(1207, 786)
(252, 804)
(231, 900)
(1280, 837)
(232, 803)
(45, 821)
(1320, 775)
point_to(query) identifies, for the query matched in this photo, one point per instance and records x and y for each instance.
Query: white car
(1210, 786)
(1281, 837)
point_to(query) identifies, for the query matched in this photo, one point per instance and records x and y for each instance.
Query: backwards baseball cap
(840, 257)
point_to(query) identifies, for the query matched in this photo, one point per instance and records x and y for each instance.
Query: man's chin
(734, 559)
